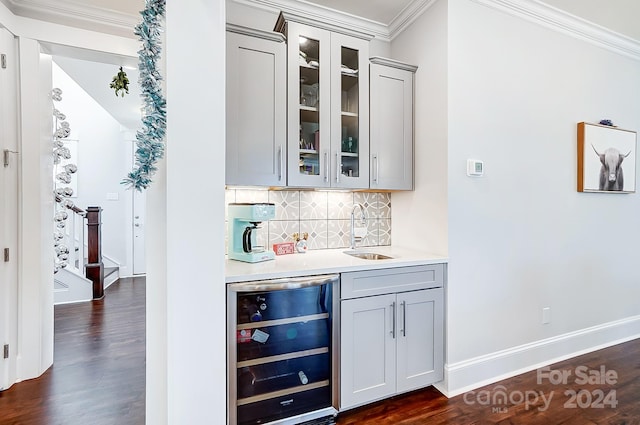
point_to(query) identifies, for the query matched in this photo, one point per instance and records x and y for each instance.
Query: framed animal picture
(606, 159)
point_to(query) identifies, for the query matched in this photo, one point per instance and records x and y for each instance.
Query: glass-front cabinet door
(328, 123)
(349, 111)
(308, 59)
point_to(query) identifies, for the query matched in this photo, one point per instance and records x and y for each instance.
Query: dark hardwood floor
(98, 377)
(579, 391)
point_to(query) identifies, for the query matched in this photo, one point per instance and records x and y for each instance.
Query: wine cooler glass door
(281, 355)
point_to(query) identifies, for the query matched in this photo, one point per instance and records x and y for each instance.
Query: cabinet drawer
(388, 281)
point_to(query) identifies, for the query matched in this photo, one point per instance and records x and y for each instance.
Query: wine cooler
(282, 353)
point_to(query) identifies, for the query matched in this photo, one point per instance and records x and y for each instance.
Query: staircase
(85, 277)
(70, 286)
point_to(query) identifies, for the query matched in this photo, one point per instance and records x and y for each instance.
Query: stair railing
(87, 262)
(94, 268)
(74, 237)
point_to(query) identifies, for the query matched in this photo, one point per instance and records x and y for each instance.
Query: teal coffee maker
(244, 222)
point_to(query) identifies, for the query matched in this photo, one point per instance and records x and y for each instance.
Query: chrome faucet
(363, 222)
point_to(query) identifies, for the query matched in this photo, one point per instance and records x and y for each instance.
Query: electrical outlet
(546, 315)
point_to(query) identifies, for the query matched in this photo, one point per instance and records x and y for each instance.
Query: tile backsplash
(325, 216)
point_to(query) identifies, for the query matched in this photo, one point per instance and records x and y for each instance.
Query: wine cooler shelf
(269, 380)
(282, 336)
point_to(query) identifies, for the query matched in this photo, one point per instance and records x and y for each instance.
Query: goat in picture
(611, 176)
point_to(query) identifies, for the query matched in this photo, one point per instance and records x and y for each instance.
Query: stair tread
(109, 271)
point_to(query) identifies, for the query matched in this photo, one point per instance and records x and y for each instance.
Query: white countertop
(325, 261)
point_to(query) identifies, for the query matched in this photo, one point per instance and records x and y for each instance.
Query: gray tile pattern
(339, 205)
(339, 233)
(317, 230)
(313, 205)
(282, 231)
(324, 215)
(287, 204)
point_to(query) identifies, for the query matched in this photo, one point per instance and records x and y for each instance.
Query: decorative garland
(61, 194)
(149, 140)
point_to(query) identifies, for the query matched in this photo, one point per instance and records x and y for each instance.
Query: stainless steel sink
(367, 255)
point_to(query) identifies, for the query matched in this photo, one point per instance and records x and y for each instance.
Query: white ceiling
(95, 77)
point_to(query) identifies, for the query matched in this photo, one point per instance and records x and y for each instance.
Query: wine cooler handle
(280, 284)
(338, 166)
(393, 320)
(404, 318)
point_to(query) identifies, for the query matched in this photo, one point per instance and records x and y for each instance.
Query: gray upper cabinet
(328, 105)
(256, 108)
(391, 114)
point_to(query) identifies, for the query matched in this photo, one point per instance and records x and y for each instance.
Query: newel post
(94, 269)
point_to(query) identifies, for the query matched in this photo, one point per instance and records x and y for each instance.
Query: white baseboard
(484, 370)
(110, 262)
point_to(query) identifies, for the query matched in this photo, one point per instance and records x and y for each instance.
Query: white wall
(186, 345)
(521, 238)
(104, 159)
(35, 258)
(420, 217)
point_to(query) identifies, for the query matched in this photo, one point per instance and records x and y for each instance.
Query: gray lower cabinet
(391, 129)
(256, 108)
(392, 332)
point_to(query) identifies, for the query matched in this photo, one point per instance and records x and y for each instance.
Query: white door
(8, 210)
(139, 211)
(3, 287)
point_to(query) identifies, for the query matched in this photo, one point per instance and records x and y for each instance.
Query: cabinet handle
(393, 317)
(404, 318)
(280, 163)
(338, 166)
(326, 167)
(375, 168)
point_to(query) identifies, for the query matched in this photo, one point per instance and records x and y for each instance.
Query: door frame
(9, 209)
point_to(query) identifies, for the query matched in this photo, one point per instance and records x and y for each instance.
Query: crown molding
(321, 16)
(285, 17)
(548, 16)
(408, 15)
(393, 63)
(532, 10)
(265, 35)
(76, 14)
